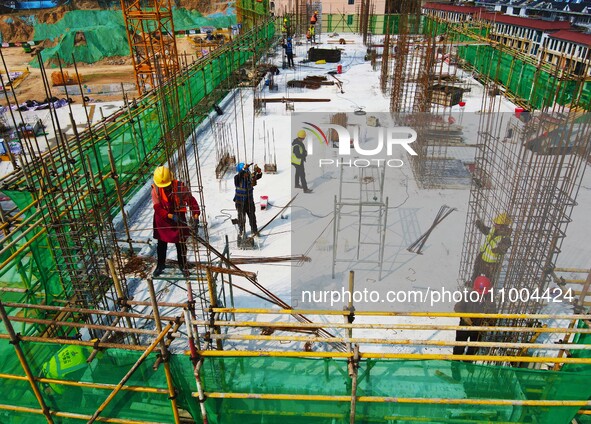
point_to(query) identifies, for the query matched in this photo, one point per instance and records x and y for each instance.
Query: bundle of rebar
(418, 245)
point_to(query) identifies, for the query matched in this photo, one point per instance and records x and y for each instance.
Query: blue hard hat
(288, 38)
(240, 167)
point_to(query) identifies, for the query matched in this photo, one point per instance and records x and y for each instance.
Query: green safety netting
(135, 140)
(258, 7)
(401, 379)
(109, 367)
(92, 35)
(386, 378)
(191, 19)
(580, 339)
(521, 76)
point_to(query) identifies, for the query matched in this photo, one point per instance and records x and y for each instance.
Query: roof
(577, 7)
(573, 36)
(526, 22)
(558, 5)
(469, 10)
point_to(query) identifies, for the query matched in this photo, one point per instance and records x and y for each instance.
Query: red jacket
(175, 202)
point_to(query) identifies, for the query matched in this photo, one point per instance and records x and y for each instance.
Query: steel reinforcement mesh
(524, 80)
(39, 260)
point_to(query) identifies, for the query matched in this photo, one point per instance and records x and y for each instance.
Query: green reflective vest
(66, 361)
(294, 159)
(486, 249)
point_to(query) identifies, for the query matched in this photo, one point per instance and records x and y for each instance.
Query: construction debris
(312, 82)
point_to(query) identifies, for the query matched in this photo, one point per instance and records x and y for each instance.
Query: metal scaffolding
(360, 198)
(150, 33)
(71, 252)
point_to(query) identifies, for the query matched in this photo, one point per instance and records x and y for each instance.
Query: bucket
(339, 69)
(519, 111)
(264, 202)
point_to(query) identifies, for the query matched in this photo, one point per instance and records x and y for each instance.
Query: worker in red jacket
(171, 198)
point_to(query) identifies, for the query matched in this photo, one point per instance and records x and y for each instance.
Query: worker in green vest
(69, 363)
(298, 158)
(497, 242)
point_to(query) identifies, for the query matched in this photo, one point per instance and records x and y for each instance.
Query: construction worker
(497, 242)
(244, 182)
(298, 158)
(312, 32)
(288, 46)
(70, 362)
(314, 18)
(285, 27)
(478, 301)
(171, 199)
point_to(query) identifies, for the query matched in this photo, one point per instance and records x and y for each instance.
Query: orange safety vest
(175, 204)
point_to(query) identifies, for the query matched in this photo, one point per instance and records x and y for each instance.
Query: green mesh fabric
(191, 19)
(296, 376)
(386, 378)
(109, 367)
(520, 75)
(135, 139)
(104, 33)
(580, 339)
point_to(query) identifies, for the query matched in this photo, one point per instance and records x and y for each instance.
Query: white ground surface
(411, 209)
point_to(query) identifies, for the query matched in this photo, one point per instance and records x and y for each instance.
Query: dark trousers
(244, 210)
(290, 60)
(300, 177)
(181, 251)
(489, 269)
(464, 336)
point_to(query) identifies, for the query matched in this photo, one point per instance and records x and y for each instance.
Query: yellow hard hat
(162, 176)
(502, 219)
(302, 134)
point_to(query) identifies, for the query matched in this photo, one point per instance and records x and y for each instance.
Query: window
(349, 19)
(351, 2)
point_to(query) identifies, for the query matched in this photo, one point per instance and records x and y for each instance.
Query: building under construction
(89, 334)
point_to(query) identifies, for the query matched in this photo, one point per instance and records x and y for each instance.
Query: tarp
(104, 33)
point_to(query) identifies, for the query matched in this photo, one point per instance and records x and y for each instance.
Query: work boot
(298, 186)
(158, 271)
(185, 271)
(307, 190)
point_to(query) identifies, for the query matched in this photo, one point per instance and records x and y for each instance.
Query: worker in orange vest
(314, 18)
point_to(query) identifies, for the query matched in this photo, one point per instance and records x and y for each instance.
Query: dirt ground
(113, 70)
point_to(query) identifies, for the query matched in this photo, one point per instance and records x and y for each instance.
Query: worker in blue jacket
(244, 182)
(288, 46)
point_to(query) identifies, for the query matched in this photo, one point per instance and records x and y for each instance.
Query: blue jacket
(288, 47)
(243, 182)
